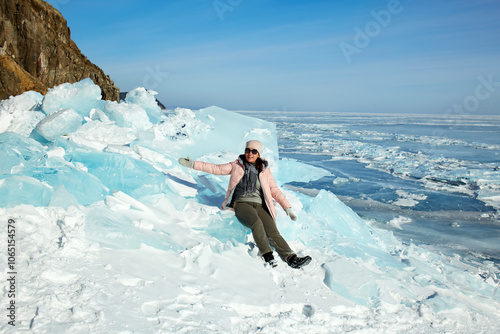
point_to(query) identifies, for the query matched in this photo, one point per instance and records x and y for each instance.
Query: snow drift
(112, 235)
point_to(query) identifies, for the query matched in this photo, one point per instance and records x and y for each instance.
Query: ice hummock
(20, 114)
(81, 97)
(110, 227)
(146, 99)
(59, 123)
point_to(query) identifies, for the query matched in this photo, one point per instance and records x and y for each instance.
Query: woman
(253, 189)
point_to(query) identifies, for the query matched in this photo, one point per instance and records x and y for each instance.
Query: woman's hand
(291, 214)
(186, 162)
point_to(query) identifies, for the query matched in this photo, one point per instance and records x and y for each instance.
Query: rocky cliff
(37, 53)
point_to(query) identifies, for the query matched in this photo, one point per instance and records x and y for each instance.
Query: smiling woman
(250, 194)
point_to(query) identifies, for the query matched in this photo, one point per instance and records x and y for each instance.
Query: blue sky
(344, 56)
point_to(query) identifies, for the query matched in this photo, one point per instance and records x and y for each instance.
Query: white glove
(186, 162)
(291, 214)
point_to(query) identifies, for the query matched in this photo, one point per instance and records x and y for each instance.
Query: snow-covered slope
(111, 235)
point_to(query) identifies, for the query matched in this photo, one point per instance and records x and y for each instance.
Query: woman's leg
(247, 215)
(274, 236)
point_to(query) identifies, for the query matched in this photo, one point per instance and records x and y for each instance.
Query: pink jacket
(236, 171)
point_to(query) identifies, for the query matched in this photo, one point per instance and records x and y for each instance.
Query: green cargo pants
(264, 229)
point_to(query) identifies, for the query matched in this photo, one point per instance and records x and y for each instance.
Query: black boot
(269, 258)
(298, 262)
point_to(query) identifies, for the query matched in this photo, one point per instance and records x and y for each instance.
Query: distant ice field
(431, 179)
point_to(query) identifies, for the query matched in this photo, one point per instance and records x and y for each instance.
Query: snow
(407, 199)
(113, 236)
(398, 221)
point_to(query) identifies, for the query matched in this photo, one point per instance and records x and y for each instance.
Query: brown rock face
(37, 53)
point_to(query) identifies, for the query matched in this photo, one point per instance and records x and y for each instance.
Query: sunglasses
(253, 151)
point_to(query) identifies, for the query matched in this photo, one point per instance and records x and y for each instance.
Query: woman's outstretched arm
(222, 169)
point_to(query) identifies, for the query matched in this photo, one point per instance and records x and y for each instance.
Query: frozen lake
(431, 179)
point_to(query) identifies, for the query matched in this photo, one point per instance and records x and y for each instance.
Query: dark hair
(259, 163)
